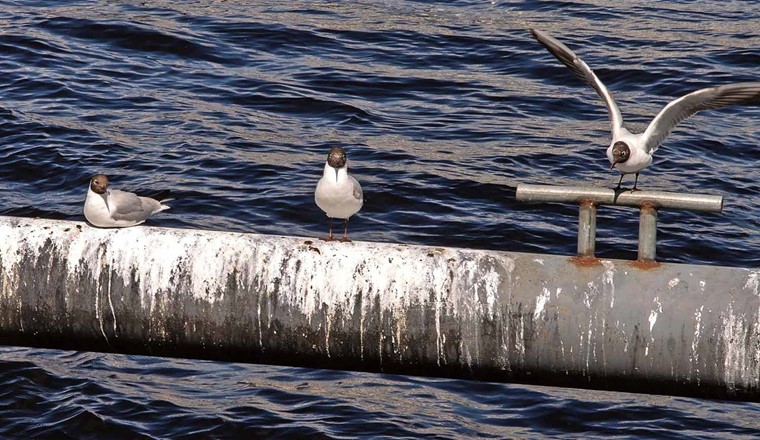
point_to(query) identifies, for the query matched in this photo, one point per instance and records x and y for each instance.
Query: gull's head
(336, 158)
(99, 183)
(620, 153)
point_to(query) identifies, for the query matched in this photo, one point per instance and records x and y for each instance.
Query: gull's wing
(128, 206)
(688, 105)
(584, 72)
(358, 194)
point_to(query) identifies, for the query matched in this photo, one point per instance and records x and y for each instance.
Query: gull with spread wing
(632, 152)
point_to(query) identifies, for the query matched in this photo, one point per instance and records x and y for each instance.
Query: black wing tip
(161, 195)
(540, 36)
(553, 45)
(737, 93)
(748, 86)
(561, 52)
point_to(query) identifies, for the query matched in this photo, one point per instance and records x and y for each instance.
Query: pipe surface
(491, 315)
(608, 196)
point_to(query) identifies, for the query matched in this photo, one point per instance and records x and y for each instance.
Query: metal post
(587, 229)
(648, 233)
(648, 201)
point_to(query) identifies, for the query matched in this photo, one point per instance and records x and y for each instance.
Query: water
(443, 109)
(53, 394)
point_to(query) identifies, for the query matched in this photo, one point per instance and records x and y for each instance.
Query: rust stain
(585, 261)
(644, 265)
(649, 205)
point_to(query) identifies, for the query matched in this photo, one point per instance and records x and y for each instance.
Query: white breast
(337, 196)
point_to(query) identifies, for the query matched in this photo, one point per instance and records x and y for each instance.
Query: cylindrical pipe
(586, 229)
(468, 313)
(648, 233)
(563, 194)
(608, 196)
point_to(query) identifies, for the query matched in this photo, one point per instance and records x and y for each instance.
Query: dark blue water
(443, 108)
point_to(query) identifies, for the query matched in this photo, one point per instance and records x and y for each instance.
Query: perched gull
(111, 208)
(629, 152)
(338, 194)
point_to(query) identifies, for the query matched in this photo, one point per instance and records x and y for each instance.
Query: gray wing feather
(686, 106)
(584, 72)
(358, 194)
(129, 206)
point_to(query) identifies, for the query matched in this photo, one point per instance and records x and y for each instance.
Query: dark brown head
(620, 153)
(99, 183)
(337, 157)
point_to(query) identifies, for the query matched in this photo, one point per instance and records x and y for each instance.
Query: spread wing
(686, 106)
(584, 72)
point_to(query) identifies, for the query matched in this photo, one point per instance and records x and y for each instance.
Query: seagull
(632, 152)
(338, 194)
(111, 208)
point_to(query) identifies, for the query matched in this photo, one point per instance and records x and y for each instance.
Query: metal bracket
(647, 201)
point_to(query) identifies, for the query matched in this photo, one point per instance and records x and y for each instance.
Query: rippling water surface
(54, 394)
(443, 109)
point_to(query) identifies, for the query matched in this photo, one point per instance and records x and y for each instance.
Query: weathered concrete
(491, 315)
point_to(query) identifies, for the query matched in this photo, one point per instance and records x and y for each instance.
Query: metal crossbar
(589, 198)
